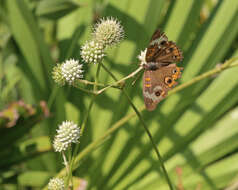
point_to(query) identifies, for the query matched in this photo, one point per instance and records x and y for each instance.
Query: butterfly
(161, 72)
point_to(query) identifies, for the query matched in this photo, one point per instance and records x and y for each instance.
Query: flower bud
(67, 133)
(56, 184)
(108, 31)
(92, 52)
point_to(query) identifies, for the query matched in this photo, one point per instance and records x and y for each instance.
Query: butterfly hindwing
(149, 90)
(157, 83)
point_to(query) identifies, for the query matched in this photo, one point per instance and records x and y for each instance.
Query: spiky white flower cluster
(56, 184)
(68, 71)
(71, 70)
(141, 57)
(68, 133)
(92, 52)
(108, 31)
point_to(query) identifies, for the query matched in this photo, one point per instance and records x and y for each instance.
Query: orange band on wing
(148, 85)
(147, 79)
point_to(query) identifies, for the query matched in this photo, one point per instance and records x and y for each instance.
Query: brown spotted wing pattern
(156, 84)
(161, 51)
(160, 74)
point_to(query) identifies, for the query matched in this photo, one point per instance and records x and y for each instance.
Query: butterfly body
(160, 71)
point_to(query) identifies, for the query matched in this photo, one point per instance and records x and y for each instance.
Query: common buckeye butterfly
(160, 71)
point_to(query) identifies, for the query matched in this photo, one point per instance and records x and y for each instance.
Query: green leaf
(55, 9)
(27, 35)
(34, 178)
(25, 150)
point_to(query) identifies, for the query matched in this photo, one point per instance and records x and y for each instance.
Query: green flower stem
(52, 96)
(85, 90)
(70, 169)
(76, 149)
(89, 109)
(87, 115)
(152, 141)
(233, 64)
(93, 98)
(119, 81)
(69, 173)
(95, 87)
(76, 85)
(144, 125)
(86, 82)
(85, 121)
(110, 73)
(65, 162)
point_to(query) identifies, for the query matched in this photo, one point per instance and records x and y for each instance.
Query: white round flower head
(59, 146)
(71, 70)
(67, 133)
(56, 184)
(108, 31)
(57, 75)
(92, 52)
(141, 57)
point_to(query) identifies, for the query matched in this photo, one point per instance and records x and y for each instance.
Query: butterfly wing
(150, 98)
(157, 83)
(161, 51)
(170, 53)
(158, 39)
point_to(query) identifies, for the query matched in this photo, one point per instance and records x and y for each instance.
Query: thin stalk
(70, 170)
(85, 90)
(144, 125)
(76, 149)
(85, 119)
(87, 115)
(86, 82)
(89, 109)
(65, 162)
(95, 87)
(52, 96)
(69, 173)
(76, 85)
(151, 139)
(233, 65)
(119, 81)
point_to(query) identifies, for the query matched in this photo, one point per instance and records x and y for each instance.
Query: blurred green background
(196, 130)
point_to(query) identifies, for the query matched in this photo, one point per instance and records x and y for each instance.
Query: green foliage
(194, 129)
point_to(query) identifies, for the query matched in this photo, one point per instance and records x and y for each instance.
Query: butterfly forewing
(169, 54)
(156, 43)
(162, 51)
